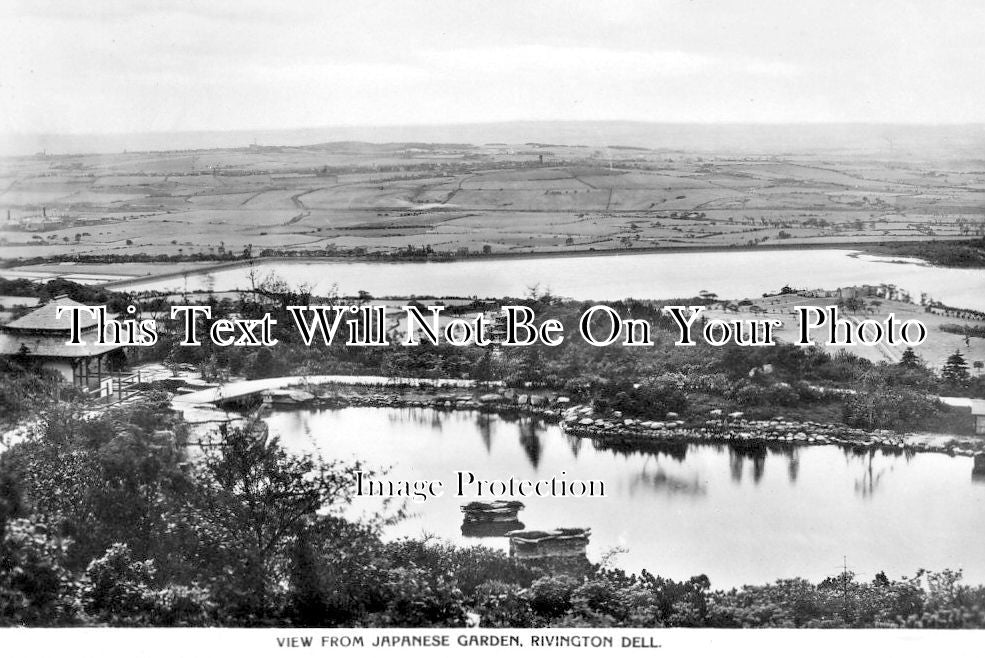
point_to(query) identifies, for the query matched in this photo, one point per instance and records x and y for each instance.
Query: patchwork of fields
(365, 198)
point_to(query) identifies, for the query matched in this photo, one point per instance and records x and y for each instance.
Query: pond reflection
(658, 479)
(490, 528)
(740, 514)
(530, 440)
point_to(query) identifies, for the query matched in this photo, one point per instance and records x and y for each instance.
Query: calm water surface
(738, 517)
(730, 274)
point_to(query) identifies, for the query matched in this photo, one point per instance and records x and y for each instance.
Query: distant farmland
(366, 198)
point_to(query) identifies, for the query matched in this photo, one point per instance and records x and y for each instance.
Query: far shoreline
(704, 429)
(858, 247)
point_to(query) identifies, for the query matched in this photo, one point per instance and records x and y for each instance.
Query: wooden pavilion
(41, 337)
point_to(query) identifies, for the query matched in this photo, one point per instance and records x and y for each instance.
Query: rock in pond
(562, 542)
(497, 510)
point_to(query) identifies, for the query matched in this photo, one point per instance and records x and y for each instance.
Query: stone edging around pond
(579, 420)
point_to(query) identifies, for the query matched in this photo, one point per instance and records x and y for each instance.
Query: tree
(103, 479)
(254, 504)
(263, 365)
(893, 397)
(117, 587)
(120, 590)
(287, 294)
(853, 304)
(955, 370)
(483, 368)
(910, 359)
(33, 581)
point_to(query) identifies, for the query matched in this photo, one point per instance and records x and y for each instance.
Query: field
(360, 198)
(934, 350)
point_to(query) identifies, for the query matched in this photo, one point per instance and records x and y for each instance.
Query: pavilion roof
(52, 345)
(44, 318)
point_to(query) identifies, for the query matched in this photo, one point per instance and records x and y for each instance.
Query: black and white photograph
(481, 326)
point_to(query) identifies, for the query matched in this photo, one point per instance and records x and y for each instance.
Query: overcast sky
(130, 66)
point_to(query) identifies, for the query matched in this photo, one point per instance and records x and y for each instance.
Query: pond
(738, 516)
(729, 274)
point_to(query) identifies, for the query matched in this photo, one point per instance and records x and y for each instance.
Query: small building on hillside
(978, 411)
(974, 405)
(41, 337)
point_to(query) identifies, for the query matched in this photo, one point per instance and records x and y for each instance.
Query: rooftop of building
(45, 318)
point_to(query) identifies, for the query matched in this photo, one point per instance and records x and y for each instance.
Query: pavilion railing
(118, 387)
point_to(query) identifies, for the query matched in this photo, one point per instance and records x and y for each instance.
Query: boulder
(526, 544)
(302, 396)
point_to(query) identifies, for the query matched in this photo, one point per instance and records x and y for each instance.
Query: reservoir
(729, 274)
(740, 516)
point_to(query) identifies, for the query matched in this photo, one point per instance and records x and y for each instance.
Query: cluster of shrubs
(24, 388)
(422, 583)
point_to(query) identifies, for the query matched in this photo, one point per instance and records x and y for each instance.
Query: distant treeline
(92, 295)
(959, 253)
(128, 258)
(970, 330)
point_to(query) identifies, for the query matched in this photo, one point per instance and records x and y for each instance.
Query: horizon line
(801, 123)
